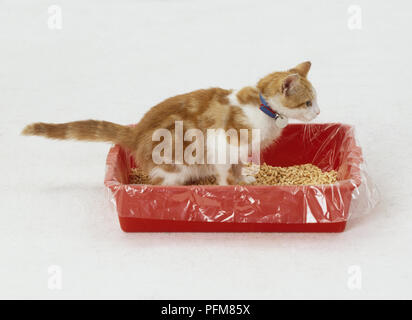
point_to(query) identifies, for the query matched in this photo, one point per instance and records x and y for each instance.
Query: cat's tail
(87, 130)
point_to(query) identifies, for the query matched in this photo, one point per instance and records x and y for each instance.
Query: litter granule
(305, 174)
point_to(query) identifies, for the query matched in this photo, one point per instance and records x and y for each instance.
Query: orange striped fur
(204, 109)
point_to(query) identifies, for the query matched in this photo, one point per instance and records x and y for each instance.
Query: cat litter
(306, 174)
(313, 179)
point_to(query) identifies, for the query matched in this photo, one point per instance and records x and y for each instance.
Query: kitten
(266, 106)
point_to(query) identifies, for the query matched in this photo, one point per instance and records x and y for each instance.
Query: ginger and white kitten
(289, 93)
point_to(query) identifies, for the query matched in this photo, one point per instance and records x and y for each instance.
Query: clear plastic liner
(328, 146)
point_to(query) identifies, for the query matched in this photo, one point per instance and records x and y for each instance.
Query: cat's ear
(289, 83)
(302, 68)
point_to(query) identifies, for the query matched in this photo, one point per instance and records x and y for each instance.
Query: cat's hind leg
(169, 174)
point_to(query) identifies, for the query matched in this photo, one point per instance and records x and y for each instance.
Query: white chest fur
(257, 119)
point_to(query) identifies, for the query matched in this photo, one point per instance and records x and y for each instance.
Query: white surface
(113, 60)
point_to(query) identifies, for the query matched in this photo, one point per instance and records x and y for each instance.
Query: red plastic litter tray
(314, 208)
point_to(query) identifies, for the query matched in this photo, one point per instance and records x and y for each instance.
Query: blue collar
(264, 106)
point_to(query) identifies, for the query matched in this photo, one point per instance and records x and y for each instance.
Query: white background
(113, 60)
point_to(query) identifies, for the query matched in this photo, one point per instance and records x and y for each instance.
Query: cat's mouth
(309, 117)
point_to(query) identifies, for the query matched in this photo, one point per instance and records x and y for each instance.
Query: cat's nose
(315, 108)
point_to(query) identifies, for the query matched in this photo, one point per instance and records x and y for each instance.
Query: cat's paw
(248, 179)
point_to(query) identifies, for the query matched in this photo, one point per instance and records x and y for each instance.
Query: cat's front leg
(224, 174)
(244, 174)
(247, 179)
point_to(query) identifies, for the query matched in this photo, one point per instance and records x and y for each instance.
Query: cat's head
(290, 93)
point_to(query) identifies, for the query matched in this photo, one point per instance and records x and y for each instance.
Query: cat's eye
(308, 103)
